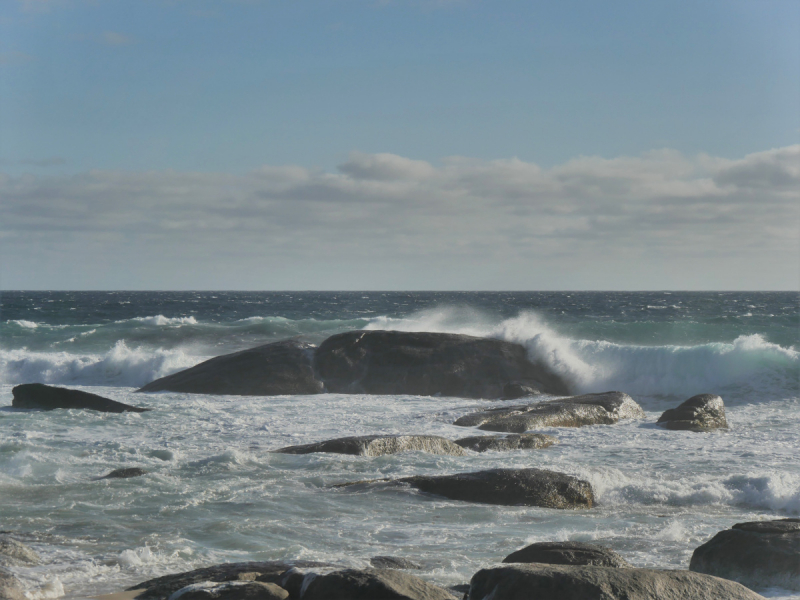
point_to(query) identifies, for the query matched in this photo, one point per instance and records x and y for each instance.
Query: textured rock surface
(704, 412)
(370, 584)
(47, 397)
(234, 590)
(378, 445)
(10, 588)
(125, 473)
(393, 562)
(427, 364)
(561, 582)
(270, 370)
(574, 411)
(568, 553)
(525, 441)
(758, 554)
(13, 552)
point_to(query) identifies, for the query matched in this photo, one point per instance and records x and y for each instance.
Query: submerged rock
(124, 473)
(568, 553)
(270, 370)
(757, 554)
(367, 584)
(10, 588)
(525, 441)
(393, 562)
(574, 411)
(232, 590)
(13, 552)
(378, 445)
(703, 412)
(47, 397)
(562, 582)
(427, 364)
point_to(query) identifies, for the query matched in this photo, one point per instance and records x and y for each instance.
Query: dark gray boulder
(124, 473)
(47, 397)
(524, 441)
(515, 389)
(270, 370)
(393, 562)
(563, 582)
(10, 588)
(14, 552)
(378, 445)
(367, 584)
(704, 412)
(232, 590)
(568, 553)
(427, 364)
(758, 554)
(574, 411)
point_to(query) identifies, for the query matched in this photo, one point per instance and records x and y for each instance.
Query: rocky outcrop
(704, 412)
(364, 584)
(124, 473)
(13, 552)
(514, 390)
(10, 589)
(525, 441)
(393, 562)
(561, 582)
(574, 411)
(47, 397)
(232, 590)
(427, 364)
(568, 553)
(757, 554)
(378, 445)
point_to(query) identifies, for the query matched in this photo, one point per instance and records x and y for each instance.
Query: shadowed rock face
(269, 370)
(125, 473)
(370, 584)
(378, 445)
(575, 411)
(234, 590)
(46, 397)
(427, 364)
(703, 412)
(561, 582)
(568, 553)
(757, 554)
(393, 562)
(525, 441)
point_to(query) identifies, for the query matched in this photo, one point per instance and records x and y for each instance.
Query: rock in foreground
(13, 552)
(10, 589)
(568, 553)
(47, 397)
(560, 582)
(525, 441)
(232, 590)
(270, 370)
(369, 584)
(704, 412)
(574, 411)
(378, 445)
(757, 554)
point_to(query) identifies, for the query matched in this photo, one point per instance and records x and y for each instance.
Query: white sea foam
(161, 320)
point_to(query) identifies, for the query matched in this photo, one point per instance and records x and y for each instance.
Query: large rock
(270, 370)
(232, 590)
(378, 445)
(427, 364)
(757, 554)
(703, 412)
(525, 441)
(393, 562)
(575, 411)
(10, 589)
(47, 397)
(561, 582)
(13, 552)
(568, 553)
(366, 584)
(124, 473)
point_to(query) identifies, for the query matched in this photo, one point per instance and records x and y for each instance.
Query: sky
(399, 144)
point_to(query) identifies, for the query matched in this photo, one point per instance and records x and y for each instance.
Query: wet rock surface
(47, 397)
(379, 445)
(234, 590)
(575, 411)
(525, 441)
(757, 554)
(393, 562)
(369, 584)
(704, 412)
(10, 589)
(515, 390)
(124, 473)
(14, 552)
(568, 553)
(562, 582)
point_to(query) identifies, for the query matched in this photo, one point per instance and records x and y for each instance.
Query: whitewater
(214, 492)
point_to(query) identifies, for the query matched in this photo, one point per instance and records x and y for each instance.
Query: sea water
(215, 493)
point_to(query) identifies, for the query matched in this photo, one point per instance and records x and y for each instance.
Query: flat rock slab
(367, 584)
(561, 582)
(758, 554)
(428, 364)
(232, 590)
(574, 411)
(47, 397)
(13, 552)
(269, 370)
(379, 445)
(704, 412)
(568, 553)
(525, 441)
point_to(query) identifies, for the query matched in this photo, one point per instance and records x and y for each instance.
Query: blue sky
(159, 88)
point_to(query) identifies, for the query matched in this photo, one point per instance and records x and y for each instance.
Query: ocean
(215, 493)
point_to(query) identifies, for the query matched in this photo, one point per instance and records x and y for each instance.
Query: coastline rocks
(379, 445)
(10, 589)
(575, 411)
(427, 364)
(13, 552)
(367, 584)
(233, 590)
(47, 397)
(568, 553)
(704, 412)
(269, 370)
(393, 562)
(525, 441)
(562, 582)
(756, 554)
(124, 473)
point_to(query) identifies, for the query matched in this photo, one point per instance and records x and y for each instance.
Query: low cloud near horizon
(381, 221)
